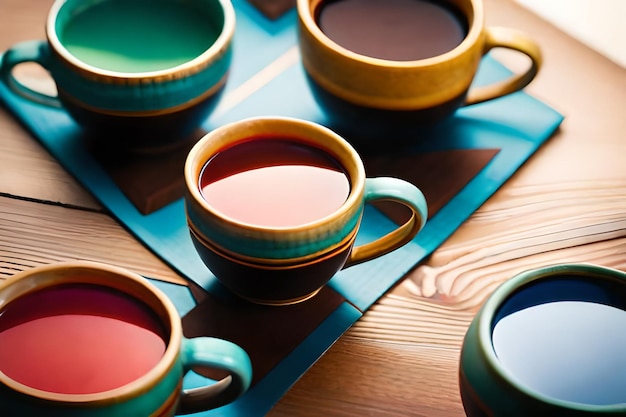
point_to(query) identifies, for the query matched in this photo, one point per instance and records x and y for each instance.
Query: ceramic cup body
(159, 391)
(321, 246)
(273, 282)
(491, 387)
(372, 98)
(145, 90)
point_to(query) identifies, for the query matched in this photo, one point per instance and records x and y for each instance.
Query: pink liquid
(398, 30)
(274, 183)
(79, 339)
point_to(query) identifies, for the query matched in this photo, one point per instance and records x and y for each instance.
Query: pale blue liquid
(568, 350)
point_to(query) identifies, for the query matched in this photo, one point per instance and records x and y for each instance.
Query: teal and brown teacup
(272, 196)
(274, 281)
(549, 342)
(390, 68)
(136, 74)
(83, 339)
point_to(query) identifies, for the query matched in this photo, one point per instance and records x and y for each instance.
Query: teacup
(136, 74)
(390, 68)
(274, 205)
(273, 281)
(549, 342)
(89, 339)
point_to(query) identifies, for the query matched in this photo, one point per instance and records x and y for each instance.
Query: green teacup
(549, 342)
(137, 74)
(82, 339)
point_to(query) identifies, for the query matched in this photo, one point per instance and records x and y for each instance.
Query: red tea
(398, 30)
(273, 182)
(79, 339)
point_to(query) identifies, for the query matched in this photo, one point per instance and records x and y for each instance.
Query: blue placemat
(267, 79)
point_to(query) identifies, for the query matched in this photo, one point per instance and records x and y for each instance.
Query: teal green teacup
(549, 342)
(274, 205)
(136, 74)
(82, 339)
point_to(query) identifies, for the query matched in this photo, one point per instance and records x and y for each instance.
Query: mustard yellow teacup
(384, 68)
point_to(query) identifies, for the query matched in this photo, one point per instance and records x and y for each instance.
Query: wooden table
(567, 204)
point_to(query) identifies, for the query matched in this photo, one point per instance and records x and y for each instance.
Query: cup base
(279, 303)
(271, 285)
(371, 129)
(141, 134)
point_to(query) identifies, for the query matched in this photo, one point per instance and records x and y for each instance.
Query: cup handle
(399, 191)
(28, 51)
(515, 40)
(215, 354)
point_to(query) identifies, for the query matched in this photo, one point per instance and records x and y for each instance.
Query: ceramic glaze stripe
(88, 93)
(307, 242)
(169, 406)
(147, 112)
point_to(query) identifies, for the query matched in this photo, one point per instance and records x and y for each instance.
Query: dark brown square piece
(273, 9)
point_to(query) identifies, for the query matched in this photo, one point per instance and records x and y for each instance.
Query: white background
(600, 24)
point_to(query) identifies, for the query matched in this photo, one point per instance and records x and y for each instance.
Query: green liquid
(129, 36)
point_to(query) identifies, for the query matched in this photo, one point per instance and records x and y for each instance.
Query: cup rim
(185, 69)
(503, 292)
(474, 32)
(105, 275)
(275, 126)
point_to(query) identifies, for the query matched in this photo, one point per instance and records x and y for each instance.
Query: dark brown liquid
(398, 30)
(274, 183)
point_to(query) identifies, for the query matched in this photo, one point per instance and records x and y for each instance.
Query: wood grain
(33, 233)
(366, 378)
(567, 204)
(531, 227)
(27, 170)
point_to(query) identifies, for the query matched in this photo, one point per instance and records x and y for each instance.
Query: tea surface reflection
(79, 339)
(566, 339)
(396, 30)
